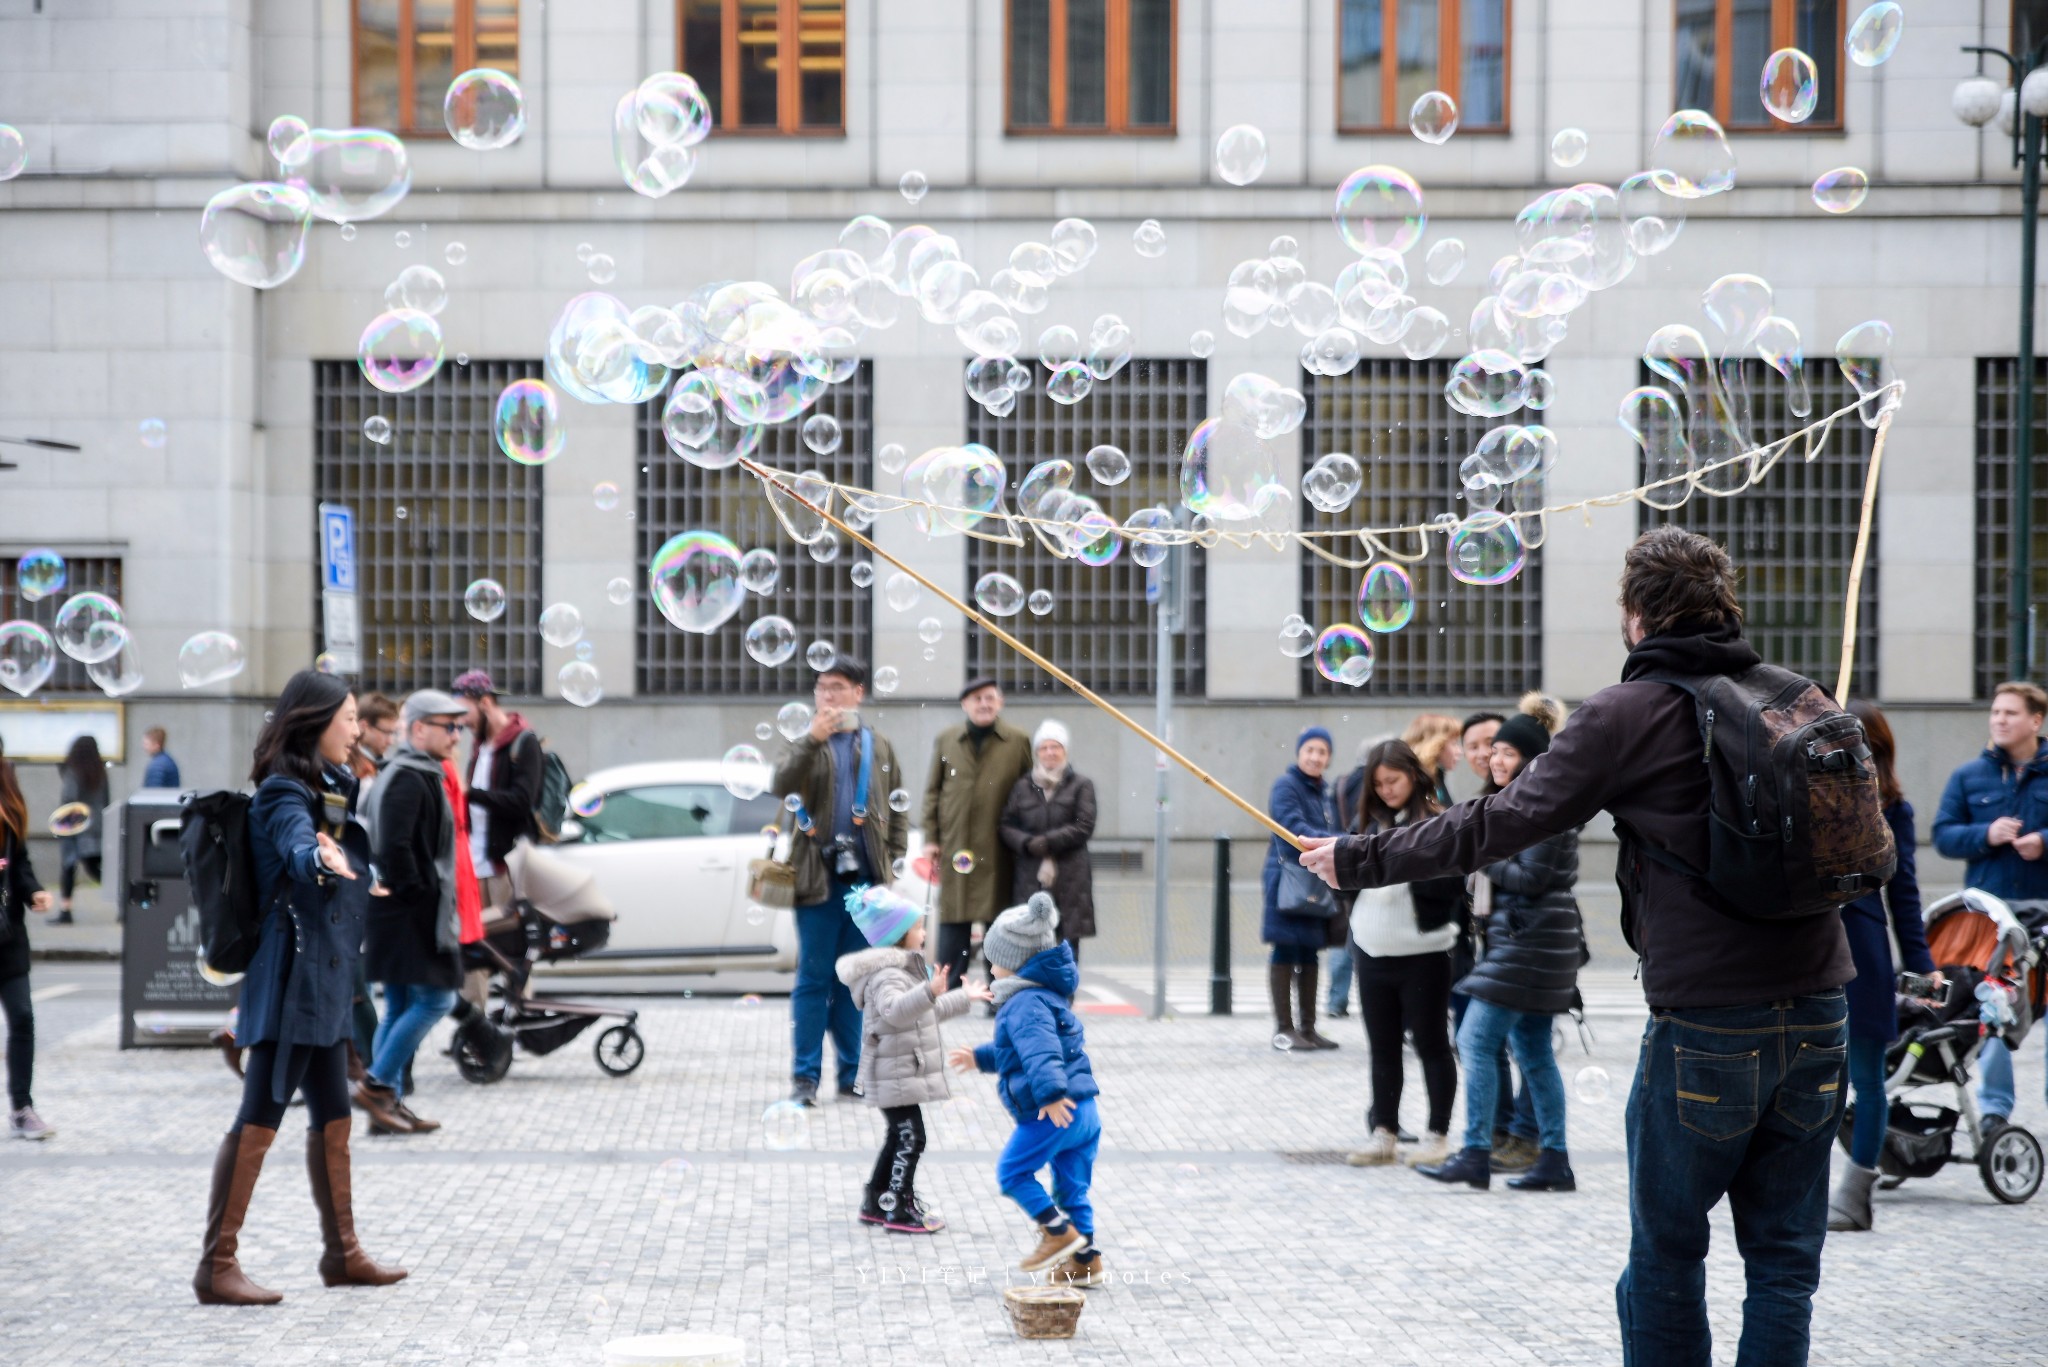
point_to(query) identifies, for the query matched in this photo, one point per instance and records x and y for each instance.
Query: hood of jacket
(1694, 648)
(1052, 969)
(864, 963)
(2000, 762)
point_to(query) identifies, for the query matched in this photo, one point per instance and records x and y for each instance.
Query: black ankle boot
(1552, 1171)
(1473, 1167)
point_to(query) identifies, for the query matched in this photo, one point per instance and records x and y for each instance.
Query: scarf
(1049, 779)
(1692, 648)
(447, 918)
(1005, 988)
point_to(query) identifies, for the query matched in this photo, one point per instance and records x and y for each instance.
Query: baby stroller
(1977, 940)
(557, 913)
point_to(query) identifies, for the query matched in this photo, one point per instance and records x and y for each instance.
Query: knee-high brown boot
(219, 1280)
(344, 1263)
(1310, 985)
(1280, 978)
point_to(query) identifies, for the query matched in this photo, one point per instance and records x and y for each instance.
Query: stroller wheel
(620, 1050)
(483, 1051)
(2011, 1165)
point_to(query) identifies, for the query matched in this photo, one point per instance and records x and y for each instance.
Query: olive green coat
(806, 770)
(963, 810)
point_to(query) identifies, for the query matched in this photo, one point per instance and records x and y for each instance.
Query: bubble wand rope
(768, 477)
(1849, 610)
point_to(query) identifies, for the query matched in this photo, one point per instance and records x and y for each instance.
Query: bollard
(1219, 934)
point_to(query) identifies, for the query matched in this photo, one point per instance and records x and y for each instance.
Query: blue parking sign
(338, 547)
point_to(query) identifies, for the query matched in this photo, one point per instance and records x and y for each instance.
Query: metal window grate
(436, 508)
(1100, 628)
(1793, 534)
(82, 574)
(1466, 640)
(821, 601)
(1997, 425)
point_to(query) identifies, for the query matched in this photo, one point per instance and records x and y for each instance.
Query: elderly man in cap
(412, 933)
(974, 767)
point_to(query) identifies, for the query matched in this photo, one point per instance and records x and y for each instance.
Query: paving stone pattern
(561, 1208)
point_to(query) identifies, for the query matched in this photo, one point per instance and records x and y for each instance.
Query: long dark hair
(13, 806)
(1884, 750)
(1396, 755)
(290, 740)
(86, 768)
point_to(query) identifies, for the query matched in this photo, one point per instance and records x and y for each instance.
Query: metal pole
(1219, 934)
(2019, 612)
(1162, 717)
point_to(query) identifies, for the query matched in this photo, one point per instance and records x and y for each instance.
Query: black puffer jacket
(1535, 943)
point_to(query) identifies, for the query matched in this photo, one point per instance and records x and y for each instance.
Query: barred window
(407, 52)
(1100, 628)
(82, 574)
(436, 507)
(1466, 640)
(820, 601)
(1997, 428)
(1793, 534)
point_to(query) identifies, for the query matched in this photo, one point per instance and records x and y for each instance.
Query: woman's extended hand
(333, 858)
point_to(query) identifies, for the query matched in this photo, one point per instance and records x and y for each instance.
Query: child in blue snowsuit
(1047, 1086)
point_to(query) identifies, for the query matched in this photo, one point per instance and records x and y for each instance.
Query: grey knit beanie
(1021, 932)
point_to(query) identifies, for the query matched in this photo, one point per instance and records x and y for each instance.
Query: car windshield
(677, 811)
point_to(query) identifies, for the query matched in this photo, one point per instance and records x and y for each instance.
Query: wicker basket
(1044, 1312)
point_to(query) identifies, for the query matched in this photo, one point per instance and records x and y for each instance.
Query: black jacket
(17, 885)
(1038, 825)
(511, 795)
(1534, 942)
(1632, 749)
(413, 822)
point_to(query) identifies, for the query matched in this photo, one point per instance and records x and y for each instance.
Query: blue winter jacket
(1038, 1052)
(1980, 792)
(162, 771)
(1871, 922)
(1305, 806)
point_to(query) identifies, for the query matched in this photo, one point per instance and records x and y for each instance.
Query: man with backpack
(1738, 1085)
(505, 771)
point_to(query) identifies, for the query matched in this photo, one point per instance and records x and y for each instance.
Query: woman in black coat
(1046, 824)
(312, 869)
(20, 893)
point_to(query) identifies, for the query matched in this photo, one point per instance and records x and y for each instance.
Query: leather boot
(1552, 1171)
(1473, 1167)
(381, 1105)
(1280, 979)
(219, 1280)
(357, 1072)
(1308, 986)
(344, 1263)
(1849, 1204)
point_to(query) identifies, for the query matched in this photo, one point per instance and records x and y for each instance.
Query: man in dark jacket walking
(1738, 1083)
(504, 783)
(1994, 814)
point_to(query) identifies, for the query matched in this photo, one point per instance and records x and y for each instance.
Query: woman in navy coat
(313, 881)
(1873, 1006)
(1306, 805)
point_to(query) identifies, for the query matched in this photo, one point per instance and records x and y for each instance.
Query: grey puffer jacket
(902, 1059)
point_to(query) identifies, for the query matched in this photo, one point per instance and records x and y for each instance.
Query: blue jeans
(1337, 970)
(824, 932)
(410, 1013)
(1996, 1092)
(1866, 1082)
(1485, 1029)
(1071, 1151)
(1740, 1101)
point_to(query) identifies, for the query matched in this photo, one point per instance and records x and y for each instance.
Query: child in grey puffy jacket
(902, 1059)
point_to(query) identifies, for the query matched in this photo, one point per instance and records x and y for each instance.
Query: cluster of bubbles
(655, 132)
(88, 627)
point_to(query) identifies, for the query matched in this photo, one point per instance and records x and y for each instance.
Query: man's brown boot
(219, 1280)
(344, 1263)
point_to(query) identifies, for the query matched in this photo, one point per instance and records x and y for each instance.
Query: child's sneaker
(1052, 1247)
(917, 1218)
(1085, 1268)
(26, 1124)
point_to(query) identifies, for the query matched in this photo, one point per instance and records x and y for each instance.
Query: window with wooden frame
(767, 66)
(407, 51)
(1392, 52)
(1722, 46)
(1091, 66)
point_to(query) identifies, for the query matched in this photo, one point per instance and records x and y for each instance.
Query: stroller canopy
(1976, 930)
(556, 887)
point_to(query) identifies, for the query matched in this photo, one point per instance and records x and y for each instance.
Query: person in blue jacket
(312, 865)
(1873, 1005)
(1305, 804)
(1993, 814)
(1047, 1085)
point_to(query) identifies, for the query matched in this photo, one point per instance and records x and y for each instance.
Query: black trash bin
(164, 998)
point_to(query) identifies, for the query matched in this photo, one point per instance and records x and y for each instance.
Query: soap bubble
(824, 547)
(586, 800)
(1487, 384)
(655, 129)
(1790, 86)
(821, 433)
(670, 109)
(1568, 148)
(619, 591)
(1872, 38)
(73, 818)
(347, 232)
(528, 422)
(1779, 345)
(377, 428)
(585, 650)
(913, 186)
(484, 600)
(929, 630)
(771, 640)
(561, 625)
(580, 683)
(602, 269)
(1690, 158)
(400, 350)
(120, 673)
(786, 1125)
(285, 132)
(39, 574)
(901, 592)
(820, 656)
(455, 253)
(1069, 384)
(419, 288)
(1040, 602)
(886, 680)
(1297, 638)
(605, 495)
(1862, 352)
(1426, 334)
(1444, 260)
(1591, 1083)
(1241, 154)
(79, 627)
(209, 657)
(349, 174)
(1652, 417)
(862, 573)
(27, 657)
(998, 594)
(744, 772)
(963, 862)
(1202, 343)
(1486, 548)
(1841, 190)
(256, 234)
(402, 239)
(1228, 470)
(1149, 239)
(1379, 208)
(484, 109)
(695, 580)
(1332, 482)
(892, 458)
(13, 152)
(1654, 218)
(152, 432)
(1344, 655)
(793, 720)
(1108, 464)
(1433, 117)
(1386, 598)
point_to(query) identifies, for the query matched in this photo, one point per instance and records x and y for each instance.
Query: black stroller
(1975, 938)
(557, 913)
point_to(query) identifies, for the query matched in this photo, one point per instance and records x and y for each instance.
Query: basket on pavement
(1044, 1312)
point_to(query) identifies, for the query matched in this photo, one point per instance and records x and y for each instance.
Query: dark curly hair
(1674, 578)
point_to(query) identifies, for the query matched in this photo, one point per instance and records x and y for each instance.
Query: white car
(670, 849)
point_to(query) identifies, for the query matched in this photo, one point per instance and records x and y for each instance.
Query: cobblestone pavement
(561, 1208)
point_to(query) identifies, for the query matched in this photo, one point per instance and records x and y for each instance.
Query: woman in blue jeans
(1873, 1005)
(1534, 948)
